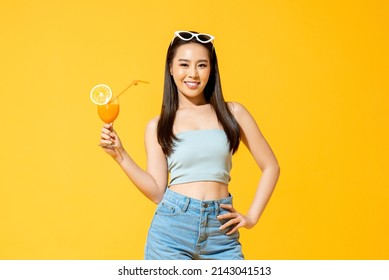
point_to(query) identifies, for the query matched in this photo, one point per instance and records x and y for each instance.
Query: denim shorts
(184, 228)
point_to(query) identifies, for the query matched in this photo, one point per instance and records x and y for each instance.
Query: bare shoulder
(247, 123)
(152, 125)
(239, 111)
(151, 130)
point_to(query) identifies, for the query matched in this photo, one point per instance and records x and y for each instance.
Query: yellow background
(313, 73)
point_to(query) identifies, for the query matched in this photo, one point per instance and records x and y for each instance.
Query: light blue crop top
(200, 155)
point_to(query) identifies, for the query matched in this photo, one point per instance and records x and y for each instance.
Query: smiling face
(190, 69)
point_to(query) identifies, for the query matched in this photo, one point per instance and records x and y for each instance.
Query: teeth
(191, 84)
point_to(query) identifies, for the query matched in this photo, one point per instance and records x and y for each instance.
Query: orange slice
(101, 94)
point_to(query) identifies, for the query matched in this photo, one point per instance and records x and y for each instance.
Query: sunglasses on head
(187, 35)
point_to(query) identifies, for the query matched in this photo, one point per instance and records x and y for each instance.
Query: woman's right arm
(152, 181)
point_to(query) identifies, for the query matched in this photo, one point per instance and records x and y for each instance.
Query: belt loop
(186, 204)
(217, 206)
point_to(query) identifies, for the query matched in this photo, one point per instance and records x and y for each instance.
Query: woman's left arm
(264, 157)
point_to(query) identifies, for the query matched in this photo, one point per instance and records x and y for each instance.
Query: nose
(192, 72)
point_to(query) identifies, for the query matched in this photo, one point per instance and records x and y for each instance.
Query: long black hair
(212, 93)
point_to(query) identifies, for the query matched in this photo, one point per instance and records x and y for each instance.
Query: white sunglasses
(187, 36)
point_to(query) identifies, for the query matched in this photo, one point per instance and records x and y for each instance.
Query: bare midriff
(202, 190)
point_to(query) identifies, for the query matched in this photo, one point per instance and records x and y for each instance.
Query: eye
(184, 64)
(203, 65)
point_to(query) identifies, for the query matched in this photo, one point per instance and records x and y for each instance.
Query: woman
(193, 139)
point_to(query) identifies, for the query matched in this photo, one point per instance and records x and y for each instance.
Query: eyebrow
(187, 60)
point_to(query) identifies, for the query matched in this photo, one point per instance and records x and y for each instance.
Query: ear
(170, 68)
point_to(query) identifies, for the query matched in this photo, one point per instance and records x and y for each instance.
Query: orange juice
(109, 112)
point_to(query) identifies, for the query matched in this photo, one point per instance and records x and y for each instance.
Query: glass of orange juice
(108, 108)
(109, 112)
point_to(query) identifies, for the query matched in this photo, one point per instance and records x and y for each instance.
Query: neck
(185, 102)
